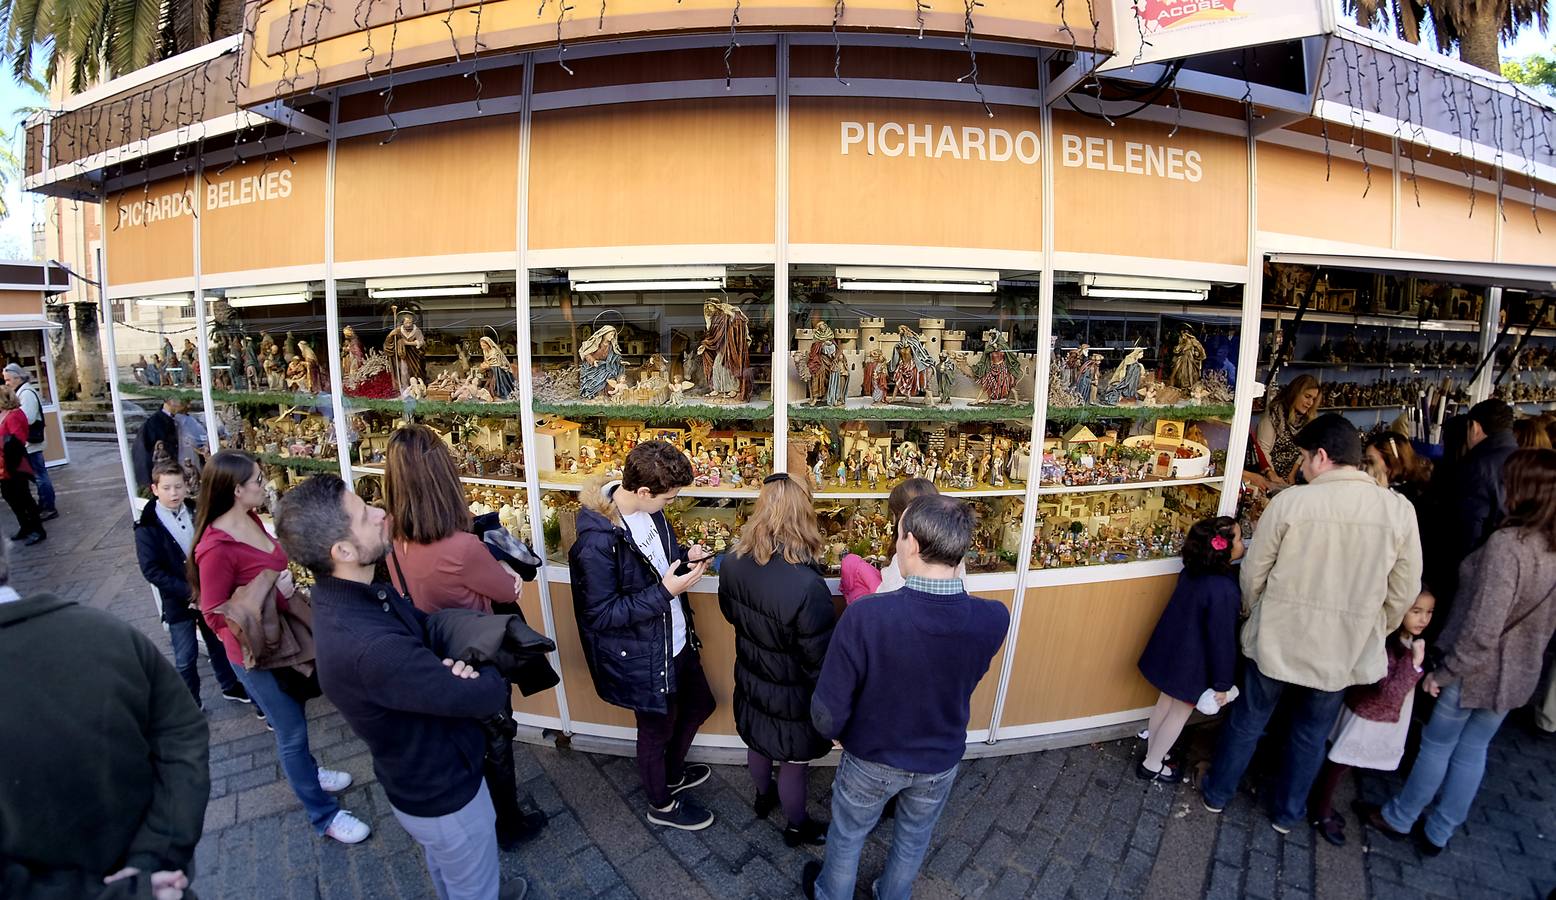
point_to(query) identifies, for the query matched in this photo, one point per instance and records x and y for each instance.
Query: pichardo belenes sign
(240, 191)
(977, 144)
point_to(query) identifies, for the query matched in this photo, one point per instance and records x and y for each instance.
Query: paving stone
(1058, 875)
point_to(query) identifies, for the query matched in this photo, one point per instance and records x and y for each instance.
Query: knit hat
(17, 371)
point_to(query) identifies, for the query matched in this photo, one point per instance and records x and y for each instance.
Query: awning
(26, 323)
(1506, 275)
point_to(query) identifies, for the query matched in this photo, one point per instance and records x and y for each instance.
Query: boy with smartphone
(629, 577)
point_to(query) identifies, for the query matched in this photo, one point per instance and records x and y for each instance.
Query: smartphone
(685, 565)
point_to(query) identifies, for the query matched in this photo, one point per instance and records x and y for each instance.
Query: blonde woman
(1293, 407)
(772, 591)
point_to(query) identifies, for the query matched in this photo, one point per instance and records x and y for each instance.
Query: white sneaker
(347, 829)
(334, 781)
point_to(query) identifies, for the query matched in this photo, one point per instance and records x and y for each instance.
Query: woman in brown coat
(1495, 639)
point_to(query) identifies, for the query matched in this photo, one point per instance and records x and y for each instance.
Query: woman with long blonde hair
(771, 590)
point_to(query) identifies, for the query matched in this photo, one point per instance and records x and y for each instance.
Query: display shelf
(718, 493)
(1148, 307)
(1362, 408)
(422, 408)
(948, 491)
(1048, 490)
(1437, 367)
(298, 463)
(463, 479)
(671, 412)
(1004, 412)
(1385, 321)
(239, 398)
(1088, 413)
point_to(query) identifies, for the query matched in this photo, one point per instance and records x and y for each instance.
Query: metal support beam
(1077, 72)
(1275, 120)
(278, 111)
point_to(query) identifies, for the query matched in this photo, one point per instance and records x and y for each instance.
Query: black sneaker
(808, 876)
(48, 514)
(695, 774)
(529, 826)
(765, 802)
(37, 537)
(682, 814)
(811, 832)
(237, 694)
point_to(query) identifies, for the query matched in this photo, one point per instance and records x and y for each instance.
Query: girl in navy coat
(1194, 646)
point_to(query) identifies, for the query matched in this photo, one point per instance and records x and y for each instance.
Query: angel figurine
(998, 369)
(601, 366)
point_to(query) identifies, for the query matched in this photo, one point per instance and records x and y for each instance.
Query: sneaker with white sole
(333, 781)
(695, 774)
(347, 829)
(682, 814)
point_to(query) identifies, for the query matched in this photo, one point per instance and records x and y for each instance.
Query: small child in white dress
(1375, 720)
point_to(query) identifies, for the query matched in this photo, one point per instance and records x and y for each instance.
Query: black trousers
(497, 767)
(664, 738)
(18, 495)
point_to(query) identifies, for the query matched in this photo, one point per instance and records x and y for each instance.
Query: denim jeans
(186, 655)
(1452, 757)
(287, 717)
(859, 793)
(1312, 718)
(40, 471)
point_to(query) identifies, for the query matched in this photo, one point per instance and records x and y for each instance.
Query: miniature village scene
(1098, 528)
(732, 455)
(709, 353)
(874, 456)
(925, 366)
(1105, 453)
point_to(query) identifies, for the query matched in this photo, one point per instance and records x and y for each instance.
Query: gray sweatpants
(461, 848)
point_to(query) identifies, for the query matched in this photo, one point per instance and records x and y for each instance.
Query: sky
(16, 228)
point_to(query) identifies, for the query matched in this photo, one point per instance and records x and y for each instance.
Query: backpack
(34, 429)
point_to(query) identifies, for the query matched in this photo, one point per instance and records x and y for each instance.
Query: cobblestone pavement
(1061, 823)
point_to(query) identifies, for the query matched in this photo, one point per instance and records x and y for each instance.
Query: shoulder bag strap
(404, 586)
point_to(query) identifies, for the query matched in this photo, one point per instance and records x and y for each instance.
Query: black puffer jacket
(783, 620)
(622, 608)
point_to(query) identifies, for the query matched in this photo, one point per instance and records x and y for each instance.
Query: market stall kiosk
(25, 289)
(831, 254)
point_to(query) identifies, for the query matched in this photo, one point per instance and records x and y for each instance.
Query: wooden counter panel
(1077, 649)
(583, 703)
(21, 303)
(1296, 196)
(1442, 225)
(400, 199)
(53, 436)
(543, 703)
(981, 709)
(718, 661)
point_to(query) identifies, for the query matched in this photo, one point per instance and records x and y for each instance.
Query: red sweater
(226, 564)
(457, 572)
(14, 425)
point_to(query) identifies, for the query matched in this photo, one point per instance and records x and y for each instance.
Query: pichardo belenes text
(239, 191)
(971, 142)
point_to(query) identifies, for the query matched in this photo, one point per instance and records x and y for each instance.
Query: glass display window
(25, 348)
(1525, 371)
(1110, 526)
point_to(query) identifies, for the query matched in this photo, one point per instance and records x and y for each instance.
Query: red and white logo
(1159, 15)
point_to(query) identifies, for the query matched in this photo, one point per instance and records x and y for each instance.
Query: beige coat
(1330, 573)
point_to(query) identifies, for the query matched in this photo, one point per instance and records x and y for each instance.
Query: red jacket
(226, 564)
(14, 425)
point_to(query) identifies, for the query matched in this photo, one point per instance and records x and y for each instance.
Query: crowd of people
(412, 628)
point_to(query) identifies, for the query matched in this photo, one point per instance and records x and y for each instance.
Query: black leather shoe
(810, 832)
(1424, 844)
(808, 876)
(49, 514)
(765, 802)
(528, 827)
(37, 537)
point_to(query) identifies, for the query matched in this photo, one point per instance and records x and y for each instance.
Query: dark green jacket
(102, 752)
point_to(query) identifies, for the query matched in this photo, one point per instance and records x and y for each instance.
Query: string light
(972, 53)
(838, 8)
(561, 49)
(734, 42)
(919, 8)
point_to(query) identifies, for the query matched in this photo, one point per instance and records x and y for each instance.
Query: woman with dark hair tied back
(439, 564)
(1405, 472)
(1194, 647)
(1494, 643)
(772, 591)
(232, 549)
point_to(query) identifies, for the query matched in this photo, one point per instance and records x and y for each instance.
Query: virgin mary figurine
(499, 372)
(600, 363)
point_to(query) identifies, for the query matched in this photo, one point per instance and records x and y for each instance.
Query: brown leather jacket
(271, 638)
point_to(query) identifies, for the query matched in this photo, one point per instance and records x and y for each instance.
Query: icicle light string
(972, 53)
(734, 42)
(839, 7)
(475, 56)
(363, 19)
(1134, 9)
(919, 8)
(1356, 114)
(1177, 106)
(563, 9)
(453, 39)
(1470, 164)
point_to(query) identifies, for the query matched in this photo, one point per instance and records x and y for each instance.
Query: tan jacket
(271, 638)
(1329, 575)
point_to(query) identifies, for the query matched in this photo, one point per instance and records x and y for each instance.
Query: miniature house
(554, 438)
(1081, 438)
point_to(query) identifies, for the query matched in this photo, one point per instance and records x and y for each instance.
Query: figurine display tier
(1539, 387)
(720, 363)
(728, 456)
(1170, 449)
(874, 456)
(168, 367)
(1377, 350)
(864, 528)
(1388, 392)
(290, 433)
(1098, 528)
(1084, 375)
(482, 446)
(869, 365)
(509, 505)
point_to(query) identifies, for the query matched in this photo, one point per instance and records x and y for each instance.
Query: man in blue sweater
(416, 713)
(894, 689)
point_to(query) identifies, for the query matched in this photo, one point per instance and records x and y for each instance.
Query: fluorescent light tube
(934, 287)
(267, 300)
(592, 287)
(465, 290)
(171, 301)
(1142, 294)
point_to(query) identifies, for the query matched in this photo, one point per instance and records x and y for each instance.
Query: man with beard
(417, 713)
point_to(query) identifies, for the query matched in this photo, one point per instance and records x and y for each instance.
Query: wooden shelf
(1048, 490)
(463, 479)
(1373, 319)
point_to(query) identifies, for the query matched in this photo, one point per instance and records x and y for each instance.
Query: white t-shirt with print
(646, 535)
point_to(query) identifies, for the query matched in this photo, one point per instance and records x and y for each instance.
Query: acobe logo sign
(1159, 15)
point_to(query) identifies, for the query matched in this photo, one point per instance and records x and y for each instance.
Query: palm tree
(1477, 27)
(98, 38)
